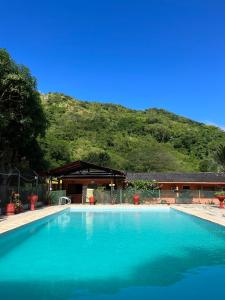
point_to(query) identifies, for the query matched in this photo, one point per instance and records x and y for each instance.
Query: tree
(22, 118)
(208, 165)
(148, 157)
(99, 158)
(57, 151)
(220, 156)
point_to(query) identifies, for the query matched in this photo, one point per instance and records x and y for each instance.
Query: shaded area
(13, 238)
(163, 272)
(2, 218)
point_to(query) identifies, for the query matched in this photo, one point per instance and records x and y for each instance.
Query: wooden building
(182, 181)
(184, 187)
(79, 177)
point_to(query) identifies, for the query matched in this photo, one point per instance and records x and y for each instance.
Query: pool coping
(16, 221)
(119, 207)
(190, 210)
(200, 214)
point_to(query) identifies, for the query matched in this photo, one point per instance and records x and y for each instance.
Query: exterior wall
(200, 193)
(193, 186)
(171, 193)
(92, 181)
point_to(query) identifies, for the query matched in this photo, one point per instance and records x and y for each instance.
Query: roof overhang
(82, 169)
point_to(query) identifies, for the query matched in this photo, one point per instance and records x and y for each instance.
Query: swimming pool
(114, 254)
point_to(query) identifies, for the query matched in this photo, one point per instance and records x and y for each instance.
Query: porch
(79, 179)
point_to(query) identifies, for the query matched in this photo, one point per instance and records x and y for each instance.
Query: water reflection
(89, 219)
(63, 220)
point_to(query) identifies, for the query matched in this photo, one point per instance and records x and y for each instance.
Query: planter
(221, 198)
(33, 199)
(19, 208)
(136, 199)
(92, 200)
(10, 209)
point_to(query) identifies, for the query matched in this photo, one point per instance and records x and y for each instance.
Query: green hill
(112, 135)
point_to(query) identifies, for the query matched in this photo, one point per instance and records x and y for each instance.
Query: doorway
(75, 192)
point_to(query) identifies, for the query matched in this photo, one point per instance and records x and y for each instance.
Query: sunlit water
(153, 254)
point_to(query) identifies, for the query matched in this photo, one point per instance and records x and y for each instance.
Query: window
(186, 187)
(74, 189)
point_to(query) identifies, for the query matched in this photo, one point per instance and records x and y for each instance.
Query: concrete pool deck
(206, 212)
(8, 223)
(209, 213)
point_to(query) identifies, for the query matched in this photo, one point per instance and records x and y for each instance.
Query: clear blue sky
(145, 53)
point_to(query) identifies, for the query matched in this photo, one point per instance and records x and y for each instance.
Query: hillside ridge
(132, 140)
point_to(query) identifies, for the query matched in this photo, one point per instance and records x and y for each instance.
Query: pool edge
(18, 221)
(201, 215)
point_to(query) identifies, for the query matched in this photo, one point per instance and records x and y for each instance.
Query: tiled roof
(177, 177)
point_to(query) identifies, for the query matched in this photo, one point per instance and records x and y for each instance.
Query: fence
(53, 196)
(25, 184)
(117, 196)
(156, 196)
(25, 191)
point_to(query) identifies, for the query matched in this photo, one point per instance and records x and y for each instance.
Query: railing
(117, 196)
(156, 196)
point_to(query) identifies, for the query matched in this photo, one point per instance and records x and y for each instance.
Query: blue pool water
(153, 254)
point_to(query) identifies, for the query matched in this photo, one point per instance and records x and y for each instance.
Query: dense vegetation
(22, 118)
(220, 156)
(112, 135)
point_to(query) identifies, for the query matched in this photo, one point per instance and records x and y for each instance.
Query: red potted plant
(92, 200)
(10, 209)
(12, 205)
(221, 197)
(136, 199)
(33, 198)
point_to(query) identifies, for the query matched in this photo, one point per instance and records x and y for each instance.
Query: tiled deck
(206, 212)
(11, 222)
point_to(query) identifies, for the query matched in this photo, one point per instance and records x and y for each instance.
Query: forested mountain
(112, 135)
(45, 131)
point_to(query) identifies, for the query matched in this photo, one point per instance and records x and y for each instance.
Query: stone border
(200, 214)
(12, 222)
(116, 207)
